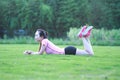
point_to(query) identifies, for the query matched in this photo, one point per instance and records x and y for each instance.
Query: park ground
(14, 65)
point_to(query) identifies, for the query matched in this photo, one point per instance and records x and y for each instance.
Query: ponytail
(43, 33)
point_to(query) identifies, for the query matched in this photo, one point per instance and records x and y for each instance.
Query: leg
(88, 48)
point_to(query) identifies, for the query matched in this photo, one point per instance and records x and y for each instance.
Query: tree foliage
(57, 16)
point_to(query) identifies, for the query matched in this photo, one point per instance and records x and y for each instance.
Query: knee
(90, 53)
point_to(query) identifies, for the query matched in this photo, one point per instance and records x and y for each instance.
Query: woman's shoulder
(45, 40)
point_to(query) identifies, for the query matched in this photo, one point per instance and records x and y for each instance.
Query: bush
(98, 36)
(17, 40)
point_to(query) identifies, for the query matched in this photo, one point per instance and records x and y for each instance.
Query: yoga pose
(50, 48)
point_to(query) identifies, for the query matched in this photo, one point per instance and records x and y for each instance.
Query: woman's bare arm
(42, 49)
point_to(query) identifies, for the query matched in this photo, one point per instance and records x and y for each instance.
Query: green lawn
(14, 65)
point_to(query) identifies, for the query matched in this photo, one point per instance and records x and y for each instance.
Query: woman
(50, 48)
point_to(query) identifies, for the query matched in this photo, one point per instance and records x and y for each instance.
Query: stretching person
(50, 48)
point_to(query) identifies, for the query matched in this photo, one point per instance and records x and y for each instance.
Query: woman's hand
(28, 52)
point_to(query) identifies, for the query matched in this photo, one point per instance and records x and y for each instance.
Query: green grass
(105, 65)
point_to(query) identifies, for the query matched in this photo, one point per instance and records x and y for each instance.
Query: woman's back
(52, 48)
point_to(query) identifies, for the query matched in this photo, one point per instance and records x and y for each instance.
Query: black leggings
(70, 50)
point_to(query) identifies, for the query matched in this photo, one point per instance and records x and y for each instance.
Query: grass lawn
(105, 65)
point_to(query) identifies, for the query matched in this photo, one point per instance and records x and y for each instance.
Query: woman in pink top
(50, 48)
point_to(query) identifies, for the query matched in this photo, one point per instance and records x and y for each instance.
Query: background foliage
(57, 16)
(98, 37)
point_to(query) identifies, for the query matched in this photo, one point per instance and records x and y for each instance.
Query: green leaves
(26, 13)
(58, 16)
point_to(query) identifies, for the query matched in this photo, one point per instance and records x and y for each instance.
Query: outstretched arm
(40, 52)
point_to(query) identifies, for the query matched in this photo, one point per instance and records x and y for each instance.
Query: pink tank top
(52, 48)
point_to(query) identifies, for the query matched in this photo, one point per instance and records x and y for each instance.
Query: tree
(26, 14)
(114, 6)
(57, 16)
(63, 19)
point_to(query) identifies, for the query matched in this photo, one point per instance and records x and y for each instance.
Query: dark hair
(42, 33)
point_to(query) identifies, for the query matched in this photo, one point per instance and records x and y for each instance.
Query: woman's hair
(42, 33)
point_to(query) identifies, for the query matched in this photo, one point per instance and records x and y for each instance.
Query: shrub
(17, 40)
(98, 36)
